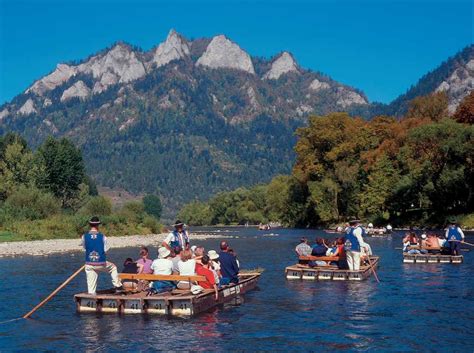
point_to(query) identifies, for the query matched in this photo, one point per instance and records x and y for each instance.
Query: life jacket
(352, 243)
(95, 249)
(177, 239)
(454, 234)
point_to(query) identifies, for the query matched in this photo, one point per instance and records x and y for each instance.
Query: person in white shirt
(354, 244)
(186, 267)
(455, 236)
(162, 266)
(178, 237)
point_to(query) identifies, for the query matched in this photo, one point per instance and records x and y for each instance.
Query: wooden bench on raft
(150, 277)
(319, 258)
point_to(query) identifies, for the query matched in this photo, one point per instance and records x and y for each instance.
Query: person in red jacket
(204, 270)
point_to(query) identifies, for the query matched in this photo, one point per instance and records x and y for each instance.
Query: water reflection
(302, 315)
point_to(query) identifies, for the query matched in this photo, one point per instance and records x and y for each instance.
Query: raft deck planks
(324, 273)
(432, 258)
(182, 303)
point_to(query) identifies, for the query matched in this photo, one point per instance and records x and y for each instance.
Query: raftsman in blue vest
(176, 240)
(95, 249)
(352, 243)
(454, 234)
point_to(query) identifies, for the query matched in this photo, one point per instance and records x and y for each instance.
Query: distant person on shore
(454, 236)
(303, 248)
(145, 261)
(95, 245)
(353, 244)
(229, 266)
(178, 237)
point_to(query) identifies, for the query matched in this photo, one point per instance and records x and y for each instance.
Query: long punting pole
(373, 269)
(64, 284)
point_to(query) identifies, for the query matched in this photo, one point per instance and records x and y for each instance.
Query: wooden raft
(324, 273)
(432, 258)
(175, 303)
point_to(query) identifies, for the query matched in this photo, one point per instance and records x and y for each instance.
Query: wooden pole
(64, 284)
(373, 269)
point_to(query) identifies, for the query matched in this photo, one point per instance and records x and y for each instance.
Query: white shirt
(170, 237)
(187, 268)
(162, 267)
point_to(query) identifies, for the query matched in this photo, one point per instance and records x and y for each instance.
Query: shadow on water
(398, 314)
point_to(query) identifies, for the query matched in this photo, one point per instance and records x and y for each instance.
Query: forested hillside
(417, 170)
(188, 119)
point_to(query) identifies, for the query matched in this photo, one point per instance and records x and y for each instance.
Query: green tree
(16, 168)
(62, 169)
(152, 204)
(97, 206)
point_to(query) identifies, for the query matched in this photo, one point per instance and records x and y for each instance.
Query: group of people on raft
(175, 256)
(351, 250)
(431, 243)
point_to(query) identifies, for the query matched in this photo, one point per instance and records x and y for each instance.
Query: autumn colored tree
(465, 112)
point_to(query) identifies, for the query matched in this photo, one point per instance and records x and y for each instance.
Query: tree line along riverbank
(416, 170)
(46, 194)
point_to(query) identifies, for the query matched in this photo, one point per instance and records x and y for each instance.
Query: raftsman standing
(178, 237)
(353, 244)
(455, 237)
(95, 244)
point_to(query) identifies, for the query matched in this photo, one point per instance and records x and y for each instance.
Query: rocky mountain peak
(222, 53)
(79, 89)
(458, 85)
(62, 73)
(120, 60)
(27, 108)
(175, 47)
(283, 64)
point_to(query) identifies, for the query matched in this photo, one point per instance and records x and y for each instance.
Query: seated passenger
(176, 257)
(186, 267)
(214, 264)
(163, 266)
(129, 266)
(303, 249)
(320, 248)
(229, 266)
(231, 251)
(409, 242)
(204, 269)
(341, 253)
(145, 261)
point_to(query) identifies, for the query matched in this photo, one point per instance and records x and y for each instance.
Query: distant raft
(176, 303)
(325, 273)
(432, 258)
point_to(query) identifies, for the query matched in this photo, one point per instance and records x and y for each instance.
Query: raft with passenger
(174, 303)
(330, 272)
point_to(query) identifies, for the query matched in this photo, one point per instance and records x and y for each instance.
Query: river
(416, 307)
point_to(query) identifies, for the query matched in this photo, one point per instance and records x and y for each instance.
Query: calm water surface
(414, 308)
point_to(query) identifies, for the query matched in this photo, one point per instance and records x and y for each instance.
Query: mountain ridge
(155, 121)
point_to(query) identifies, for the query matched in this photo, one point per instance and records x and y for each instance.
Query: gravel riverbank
(51, 246)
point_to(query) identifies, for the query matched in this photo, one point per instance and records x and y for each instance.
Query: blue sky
(381, 47)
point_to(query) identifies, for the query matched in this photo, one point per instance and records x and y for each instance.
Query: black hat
(354, 220)
(94, 221)
(452, 220)
(178, 223)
